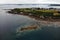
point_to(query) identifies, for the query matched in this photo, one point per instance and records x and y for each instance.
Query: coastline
(39, 19)
(51, 16)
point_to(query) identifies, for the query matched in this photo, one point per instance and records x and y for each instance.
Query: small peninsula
(46, 14)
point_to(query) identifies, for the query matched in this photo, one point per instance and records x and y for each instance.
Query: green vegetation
(36, 12)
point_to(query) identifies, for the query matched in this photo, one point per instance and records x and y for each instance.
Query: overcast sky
(29, 1)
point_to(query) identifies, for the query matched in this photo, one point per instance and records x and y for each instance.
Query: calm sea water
(9, 23)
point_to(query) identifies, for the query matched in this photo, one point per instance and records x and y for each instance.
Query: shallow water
(9, 23)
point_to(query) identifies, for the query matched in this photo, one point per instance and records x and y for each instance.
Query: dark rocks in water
(9, 11)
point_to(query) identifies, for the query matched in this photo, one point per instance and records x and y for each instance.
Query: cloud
(28, 1)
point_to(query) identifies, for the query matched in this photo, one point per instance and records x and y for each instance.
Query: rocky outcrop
(33, 27)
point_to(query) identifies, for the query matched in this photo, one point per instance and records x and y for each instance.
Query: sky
(29, 1)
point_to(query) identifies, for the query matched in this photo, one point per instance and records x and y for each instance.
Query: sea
(10, 23)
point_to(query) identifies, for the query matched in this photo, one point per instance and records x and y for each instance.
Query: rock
(30, 14)
(33, 27)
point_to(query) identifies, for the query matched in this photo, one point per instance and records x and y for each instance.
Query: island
(46, 14)
(26, 28)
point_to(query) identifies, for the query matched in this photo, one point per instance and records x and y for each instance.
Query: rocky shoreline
(33, 14)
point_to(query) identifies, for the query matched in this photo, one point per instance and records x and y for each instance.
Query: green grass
(36, 11)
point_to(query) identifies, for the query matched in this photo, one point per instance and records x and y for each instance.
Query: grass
(36, 12)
